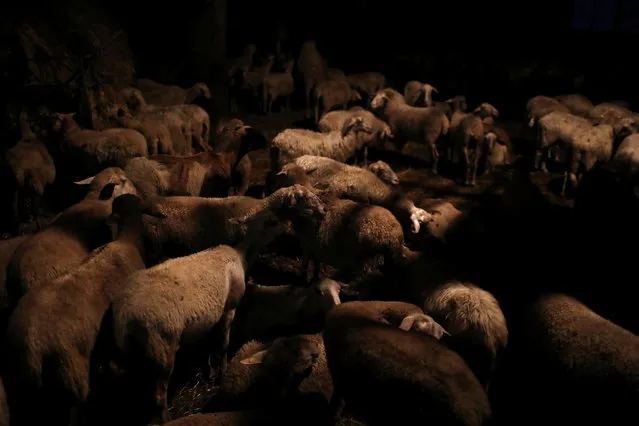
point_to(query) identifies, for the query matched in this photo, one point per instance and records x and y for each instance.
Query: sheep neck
(130, 231)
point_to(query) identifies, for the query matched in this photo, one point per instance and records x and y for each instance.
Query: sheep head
(200, 90)
(109, 183)
(384, 172)
(128, 205)
(354, 125)
(133, 99)
(428, 90)
(290, 175)
(490, 139)
(486, 110)
(380, 101)
(458, 103)
(626, 127)
(302, 199)
(423, 323)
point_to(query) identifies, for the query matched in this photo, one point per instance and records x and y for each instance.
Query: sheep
(623, 121)
(367, 83)
(332, 93)
(577, 104)
(179, 302)
(350, 236)
(539, 106)
(194, 223)
(51, 360)
(502, 138)
(385, 375)
(157, 135)
(423, 323)
(338, 145)
(384, 172)
(474, 320)
(93, 150)
(355, 184)
(420, 125)
(555, 127)
(206, 174)
(312, 68)
(468, 139)
(188, 125)
(627, 156)
(277, 85)
(498, 152)
(252, 79)
(167, 95)
(300, 310)
(265, 374)
(587, 365)
(68, 240)
(32, 169)
(4, 407)
(334, 120)
(414, 89)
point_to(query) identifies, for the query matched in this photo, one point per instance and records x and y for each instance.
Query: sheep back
(381, 372)
(31, 165)
(577, 104)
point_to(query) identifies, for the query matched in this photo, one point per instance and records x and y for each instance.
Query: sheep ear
(86, 181)
(256, 358)
(407, 323)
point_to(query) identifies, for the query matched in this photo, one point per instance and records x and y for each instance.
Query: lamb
(300, 310)
(207, 174)
(388, 376)
(627, 156)
(68, 240)
(277, 85)
(332, 93)
(312, 67)
(415, 89)
(475, 322)
(51, 360)
(157, 135)
(193, 224)
(577, 104)
(367, 83)
(334, 120)
(177, 303)
(357, 185)
(90, 151)
(262, 374)
(420, 125)
(32, 169)
(468, 139)
(588, 365)
(350, 237)
(338, 145)
(167, 95)
(539, 106)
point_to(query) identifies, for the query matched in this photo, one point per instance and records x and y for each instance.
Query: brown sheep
(49, 361)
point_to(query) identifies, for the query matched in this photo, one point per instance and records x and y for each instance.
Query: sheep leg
(435, 157)
(225, 328)
(467, 165)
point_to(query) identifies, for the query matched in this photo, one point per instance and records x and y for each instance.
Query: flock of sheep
(144, 283)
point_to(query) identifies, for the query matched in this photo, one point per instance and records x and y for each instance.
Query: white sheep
(53, 357)
(276, 85)
(355, 184)
(423, 126)
(179, 302)
(555, 127)
(332, 93)
(93, 150)
(338, 145)
(474, 320)
(381, 132)
(627, 155)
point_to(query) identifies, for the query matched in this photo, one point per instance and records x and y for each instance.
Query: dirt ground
(280, 265)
